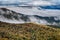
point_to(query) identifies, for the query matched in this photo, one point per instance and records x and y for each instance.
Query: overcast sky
(35, 2)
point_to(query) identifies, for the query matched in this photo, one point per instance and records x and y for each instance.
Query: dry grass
(28, 31)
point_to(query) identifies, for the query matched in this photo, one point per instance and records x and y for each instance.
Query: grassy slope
(28, 31)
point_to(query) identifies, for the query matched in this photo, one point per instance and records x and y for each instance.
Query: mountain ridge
(28, 31)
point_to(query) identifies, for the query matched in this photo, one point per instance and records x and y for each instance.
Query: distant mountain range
(57, 7)
(51, 7)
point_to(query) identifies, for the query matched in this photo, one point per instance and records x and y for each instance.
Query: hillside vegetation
(28, 31)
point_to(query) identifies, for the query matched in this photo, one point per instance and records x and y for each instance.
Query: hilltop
(28, 31)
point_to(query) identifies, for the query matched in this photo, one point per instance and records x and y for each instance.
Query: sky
(34, 2)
